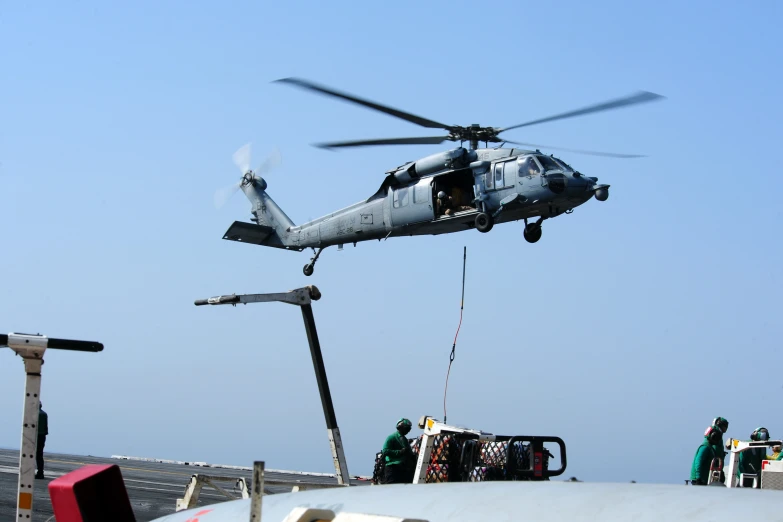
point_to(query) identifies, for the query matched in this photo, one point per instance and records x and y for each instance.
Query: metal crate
(772, 474)
(771, 480)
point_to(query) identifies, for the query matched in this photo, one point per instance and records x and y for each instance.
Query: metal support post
(302, 297)
(258, 491)
(333, 432)
(425, 452)
(33, 360)
(31, 349)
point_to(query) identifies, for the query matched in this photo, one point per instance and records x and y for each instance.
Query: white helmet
(441, 195)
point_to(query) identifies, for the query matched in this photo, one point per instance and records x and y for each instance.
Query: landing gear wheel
(532, 233)
(484, 222)
(309, 267)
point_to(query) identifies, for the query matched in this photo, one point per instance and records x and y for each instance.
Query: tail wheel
(308, 270)
(484, 222)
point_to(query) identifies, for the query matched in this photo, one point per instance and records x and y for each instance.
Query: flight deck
(153, 485)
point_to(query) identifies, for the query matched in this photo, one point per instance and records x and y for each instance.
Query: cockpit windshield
(565, 165)
(548, 163)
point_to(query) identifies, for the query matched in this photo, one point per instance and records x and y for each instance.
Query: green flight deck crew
(43, 431)
(723, 425)
(398, 455)
(750, 459)
(700, 470)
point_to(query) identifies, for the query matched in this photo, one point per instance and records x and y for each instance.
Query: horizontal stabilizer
(262, 235)
(248, 233)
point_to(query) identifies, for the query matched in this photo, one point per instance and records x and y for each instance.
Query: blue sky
(625, 330)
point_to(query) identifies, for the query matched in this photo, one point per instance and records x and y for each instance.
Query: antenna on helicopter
(454, 346)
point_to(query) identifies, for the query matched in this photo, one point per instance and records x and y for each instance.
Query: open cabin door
(412, 204)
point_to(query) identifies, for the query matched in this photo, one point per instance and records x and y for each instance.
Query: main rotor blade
(579, 151)
(640, 97)
(418, 120)
(431, 140)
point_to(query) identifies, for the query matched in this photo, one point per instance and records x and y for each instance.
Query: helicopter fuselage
(446, 192)
(505, 184)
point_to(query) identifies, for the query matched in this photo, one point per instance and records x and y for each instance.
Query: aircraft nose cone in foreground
(553, 501)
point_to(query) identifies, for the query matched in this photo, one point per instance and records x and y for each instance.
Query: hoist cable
(454, 345)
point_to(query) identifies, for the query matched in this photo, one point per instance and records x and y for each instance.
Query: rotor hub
(474, 133)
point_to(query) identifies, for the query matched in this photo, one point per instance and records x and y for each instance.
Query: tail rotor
(242, 159)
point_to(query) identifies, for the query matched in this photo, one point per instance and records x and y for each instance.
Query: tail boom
(272, 226)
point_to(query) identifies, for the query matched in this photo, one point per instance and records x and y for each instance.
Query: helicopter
(451, 191)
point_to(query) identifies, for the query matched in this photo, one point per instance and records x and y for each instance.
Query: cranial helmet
(441, 195)
(760, 434)
(721, 423)
(713, 435)
(404, 425)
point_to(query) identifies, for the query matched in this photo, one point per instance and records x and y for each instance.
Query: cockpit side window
(529, 167)
(548, 163)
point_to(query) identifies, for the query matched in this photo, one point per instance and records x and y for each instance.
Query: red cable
(453, 346)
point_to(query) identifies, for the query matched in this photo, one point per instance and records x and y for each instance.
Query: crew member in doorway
(397, 452)
(750, 459)
(43, 431)
(700, 469)
(445, 204)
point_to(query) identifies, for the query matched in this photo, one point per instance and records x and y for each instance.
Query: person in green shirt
(723, 425)
(43, 431)
(398, 455)
(750, 459)
(700, 469)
